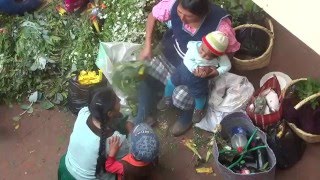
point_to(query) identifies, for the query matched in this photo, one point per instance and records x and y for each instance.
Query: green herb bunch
(242, 11)
(40, 51)
(308, 88)
(125, 20)
(126, 77)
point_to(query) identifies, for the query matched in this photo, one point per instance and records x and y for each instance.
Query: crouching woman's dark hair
(102, 101)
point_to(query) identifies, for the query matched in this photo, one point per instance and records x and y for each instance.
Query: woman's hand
(114, 144)
(146, 53)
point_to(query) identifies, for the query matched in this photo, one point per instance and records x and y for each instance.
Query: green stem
(256, 148)
(250, 139)
(245, 149)
(235, 163)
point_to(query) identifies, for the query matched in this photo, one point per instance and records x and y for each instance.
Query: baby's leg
(200, 102)
(168, 91)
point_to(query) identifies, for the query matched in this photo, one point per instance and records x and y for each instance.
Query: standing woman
(87, 150)
(187, 20)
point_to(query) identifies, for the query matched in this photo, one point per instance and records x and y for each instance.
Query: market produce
(89, 77)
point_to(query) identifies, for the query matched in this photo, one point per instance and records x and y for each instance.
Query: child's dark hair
(197, 7)
(102, 101)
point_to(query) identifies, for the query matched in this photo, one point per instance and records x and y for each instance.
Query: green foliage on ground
(40, 51)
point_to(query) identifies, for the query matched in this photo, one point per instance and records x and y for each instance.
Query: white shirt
(193, 60)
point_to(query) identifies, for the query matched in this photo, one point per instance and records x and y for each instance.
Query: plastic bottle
(239, 141)
(238, 138)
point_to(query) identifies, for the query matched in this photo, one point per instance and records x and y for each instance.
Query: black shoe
(198, 115)
(180, 128)
(164, 104)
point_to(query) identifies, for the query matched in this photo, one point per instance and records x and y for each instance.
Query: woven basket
(264, 59)
(310, 138)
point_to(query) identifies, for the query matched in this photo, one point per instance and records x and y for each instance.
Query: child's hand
(114, 143)
(201, 71)
(212, 72)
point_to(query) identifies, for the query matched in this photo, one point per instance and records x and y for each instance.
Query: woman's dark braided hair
(197, 7)
(102, 101)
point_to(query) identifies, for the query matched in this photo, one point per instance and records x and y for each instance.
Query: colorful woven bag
(265, 120)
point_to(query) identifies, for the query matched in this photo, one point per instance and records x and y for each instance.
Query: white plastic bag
(230, 93)
(115, 52)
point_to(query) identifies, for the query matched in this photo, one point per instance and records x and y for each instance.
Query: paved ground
(33, 150)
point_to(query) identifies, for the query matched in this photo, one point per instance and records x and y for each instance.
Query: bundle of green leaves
(242, 11)
(126, 20)
(307, 88)
(40, 51)
(126, 77)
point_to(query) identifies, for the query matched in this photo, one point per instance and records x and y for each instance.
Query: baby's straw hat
(217, 42)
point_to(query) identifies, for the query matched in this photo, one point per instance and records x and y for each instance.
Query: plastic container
(239, 141)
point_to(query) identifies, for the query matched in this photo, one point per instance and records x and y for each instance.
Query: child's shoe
(198, 114)
(164, 104)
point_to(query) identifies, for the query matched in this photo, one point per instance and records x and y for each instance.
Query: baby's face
(205, 53)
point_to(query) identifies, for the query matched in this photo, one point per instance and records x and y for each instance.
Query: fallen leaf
(16, 118)
(30, 110)
(204, 170)
(25, 106)
(47, 105)
(192, 146)
(208, 155)
(33, 97)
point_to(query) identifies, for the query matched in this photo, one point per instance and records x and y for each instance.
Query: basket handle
(290, 84)
(307, 99)
(256, 26)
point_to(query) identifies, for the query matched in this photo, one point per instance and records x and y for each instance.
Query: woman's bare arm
(146, 52)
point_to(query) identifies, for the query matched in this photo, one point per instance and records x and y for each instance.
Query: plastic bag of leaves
(78, 94)
(119, 63)
(126, 77)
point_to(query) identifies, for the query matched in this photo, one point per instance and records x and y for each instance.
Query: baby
(203, 60)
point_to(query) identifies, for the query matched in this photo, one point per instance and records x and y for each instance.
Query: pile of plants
(40, 51)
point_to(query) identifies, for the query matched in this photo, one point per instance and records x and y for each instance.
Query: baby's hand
(212, 72)
(201, 71)
(114, 143)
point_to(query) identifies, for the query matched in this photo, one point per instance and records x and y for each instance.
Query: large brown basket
(264, 59)
(310, 138)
